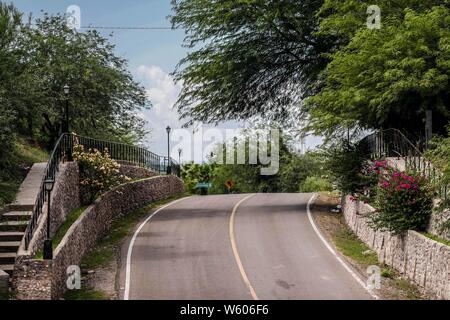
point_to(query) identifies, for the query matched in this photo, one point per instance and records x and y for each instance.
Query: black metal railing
(120, 152)
(392, 143)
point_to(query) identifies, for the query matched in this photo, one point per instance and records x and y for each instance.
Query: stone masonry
(418, 258)
(50, 280)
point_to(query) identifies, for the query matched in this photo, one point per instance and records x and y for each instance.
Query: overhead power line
(122, 28)
(127, 28)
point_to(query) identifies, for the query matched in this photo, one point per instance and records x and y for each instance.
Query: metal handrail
(118, 151)
(393, 143)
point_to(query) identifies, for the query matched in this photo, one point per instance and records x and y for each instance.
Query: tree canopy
(316, 60)
(388, 77)
(248, 57)
(37, 60)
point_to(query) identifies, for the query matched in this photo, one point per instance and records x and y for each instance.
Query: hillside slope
(14, 171)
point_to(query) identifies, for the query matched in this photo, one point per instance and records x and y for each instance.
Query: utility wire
(122, 28)
(128, 28)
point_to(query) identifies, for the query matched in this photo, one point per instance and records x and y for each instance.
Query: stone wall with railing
(438, 217)
(94, 222)
(422, 260)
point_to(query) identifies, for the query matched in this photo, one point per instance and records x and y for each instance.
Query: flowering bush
(99, 173)
(403, 200)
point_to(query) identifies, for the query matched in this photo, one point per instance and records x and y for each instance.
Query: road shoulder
(103, 268)
(333, 227)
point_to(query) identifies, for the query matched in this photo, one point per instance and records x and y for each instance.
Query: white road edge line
(236, 252)
(126, 294)
(325, 242)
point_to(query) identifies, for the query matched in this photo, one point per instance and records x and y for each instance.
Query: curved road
(234, 247)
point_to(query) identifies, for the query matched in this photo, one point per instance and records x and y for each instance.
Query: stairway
(15, 217)
(12, 227)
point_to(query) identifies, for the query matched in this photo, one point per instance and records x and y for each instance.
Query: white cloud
(163, 92)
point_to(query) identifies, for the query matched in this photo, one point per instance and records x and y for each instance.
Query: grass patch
(8, 191)
(14, 170)
(408, 289)
(85, 294)
(4, 295)
(62, 230)
(387, 272)
(349, 244)
(436, 238)
(106, 250)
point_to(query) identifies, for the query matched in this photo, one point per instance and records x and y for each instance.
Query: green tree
(104, 99)
(388, 77)
(10, 75)
(249, 57)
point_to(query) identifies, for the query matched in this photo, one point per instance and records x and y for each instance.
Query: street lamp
(48, 246)
(180, 151)
(169, 169)
(66, 89)
(66, 93)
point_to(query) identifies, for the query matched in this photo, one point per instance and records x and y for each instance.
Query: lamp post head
(168, 129)
(48, 185)
(66, 89)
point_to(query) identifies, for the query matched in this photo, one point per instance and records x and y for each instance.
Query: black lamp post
(67, 124)
(180, 151)
(66, 93)
(169, 168)
(48, 246)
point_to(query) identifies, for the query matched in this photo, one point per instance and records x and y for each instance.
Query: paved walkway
(30, 186)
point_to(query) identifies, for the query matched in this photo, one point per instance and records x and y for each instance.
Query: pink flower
(380, 164)
(386, 184)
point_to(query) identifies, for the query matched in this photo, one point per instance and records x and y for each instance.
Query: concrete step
(7, 258)
(11, 236)
(9, 246)
(13, 225)
(8, 268)
(19, 207)
(16, 216)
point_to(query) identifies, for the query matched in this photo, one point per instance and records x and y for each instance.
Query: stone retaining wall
(436, 222)
(420, 259)
(135, 172)
(84, 233)
(65, 198)
(437, 218)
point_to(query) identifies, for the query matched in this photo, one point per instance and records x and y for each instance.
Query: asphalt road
(234, 247)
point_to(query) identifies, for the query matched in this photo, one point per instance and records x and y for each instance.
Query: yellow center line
(236, 252)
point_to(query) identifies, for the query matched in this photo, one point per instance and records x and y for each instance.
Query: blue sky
(152, 54)
(140, 47)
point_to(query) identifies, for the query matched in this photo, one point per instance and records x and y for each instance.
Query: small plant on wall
(403, 200)
(98, 173)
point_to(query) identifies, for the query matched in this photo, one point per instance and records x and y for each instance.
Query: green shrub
(7, 138)
(193, 173)
(403, 201)
(439, 154)
(348, 165)
(99, 173)
(315, 184)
